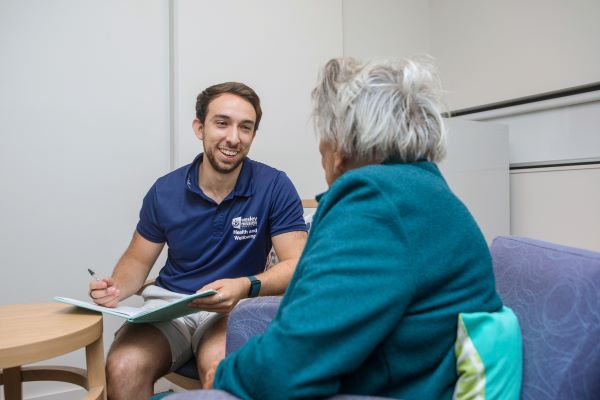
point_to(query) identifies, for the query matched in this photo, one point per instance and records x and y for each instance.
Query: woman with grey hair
(392, 259)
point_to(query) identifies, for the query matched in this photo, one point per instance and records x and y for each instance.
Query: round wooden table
(34, 332)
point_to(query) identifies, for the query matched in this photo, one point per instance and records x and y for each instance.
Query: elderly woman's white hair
(380, 110)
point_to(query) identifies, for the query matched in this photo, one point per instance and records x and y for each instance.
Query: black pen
(93, 274)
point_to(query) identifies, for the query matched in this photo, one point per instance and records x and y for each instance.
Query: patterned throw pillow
(489, 360)
(272, 257)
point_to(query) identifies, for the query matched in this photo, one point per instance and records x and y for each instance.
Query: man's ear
(198, 128)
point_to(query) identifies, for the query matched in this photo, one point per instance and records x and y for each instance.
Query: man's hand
(104, 292)
(229, 293)
(209, 377)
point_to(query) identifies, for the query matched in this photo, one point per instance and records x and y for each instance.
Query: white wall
(386, 28)
(276, 48)
(84, 116)
(84, 122)
(496, 50)
(476, 169)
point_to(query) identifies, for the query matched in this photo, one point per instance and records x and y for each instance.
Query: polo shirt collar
(243, 187)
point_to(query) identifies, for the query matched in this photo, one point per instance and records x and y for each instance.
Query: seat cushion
(555, 292)
(188, 369)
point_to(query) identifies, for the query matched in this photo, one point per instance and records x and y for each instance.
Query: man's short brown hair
(239, 89)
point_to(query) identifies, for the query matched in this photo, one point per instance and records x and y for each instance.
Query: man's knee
(138, 355)
(123, 363)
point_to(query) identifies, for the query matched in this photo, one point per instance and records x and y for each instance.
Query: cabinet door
(557, 204)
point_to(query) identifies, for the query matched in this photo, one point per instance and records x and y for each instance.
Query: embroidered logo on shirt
(244, 227)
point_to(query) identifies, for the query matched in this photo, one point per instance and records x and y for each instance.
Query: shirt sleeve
(148, 225)
(350, 289)
(286, 207)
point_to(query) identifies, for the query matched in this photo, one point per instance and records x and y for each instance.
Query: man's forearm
(135, 264)
(288, 247)
(129, 276)
(276, 279)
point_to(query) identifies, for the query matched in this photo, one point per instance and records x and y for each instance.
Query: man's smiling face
(227, 132)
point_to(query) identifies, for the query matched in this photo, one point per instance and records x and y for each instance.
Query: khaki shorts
(184, 333)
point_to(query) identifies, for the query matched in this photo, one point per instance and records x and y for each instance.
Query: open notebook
(170, 311)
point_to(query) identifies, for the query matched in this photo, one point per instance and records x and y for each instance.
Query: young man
(220, 215)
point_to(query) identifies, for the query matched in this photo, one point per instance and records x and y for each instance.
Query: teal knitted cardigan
(391, 259)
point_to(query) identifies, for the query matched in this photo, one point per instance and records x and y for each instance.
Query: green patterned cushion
(489, 360)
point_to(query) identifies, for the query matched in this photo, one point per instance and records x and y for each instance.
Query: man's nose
(233, 136)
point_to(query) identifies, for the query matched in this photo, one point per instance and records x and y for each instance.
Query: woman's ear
(340, 164)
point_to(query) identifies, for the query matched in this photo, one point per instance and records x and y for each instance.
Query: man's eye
(246, 128)
(221, 123)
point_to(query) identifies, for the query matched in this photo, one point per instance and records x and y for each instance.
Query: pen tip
(90, 271)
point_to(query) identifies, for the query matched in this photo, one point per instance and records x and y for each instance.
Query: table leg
(12, 383)
(94, 355)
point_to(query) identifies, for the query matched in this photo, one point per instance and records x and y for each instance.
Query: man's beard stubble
(213, 162)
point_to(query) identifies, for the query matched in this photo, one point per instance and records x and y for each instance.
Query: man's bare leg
(211, 347)
(138, 357)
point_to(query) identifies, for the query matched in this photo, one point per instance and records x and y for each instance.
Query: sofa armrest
(250, 318)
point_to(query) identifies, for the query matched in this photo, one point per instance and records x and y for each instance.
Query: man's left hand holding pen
(103, 291)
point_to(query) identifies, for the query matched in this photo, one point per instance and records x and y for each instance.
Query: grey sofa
(553, 289)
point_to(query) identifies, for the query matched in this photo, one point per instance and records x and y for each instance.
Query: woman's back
(398, 228)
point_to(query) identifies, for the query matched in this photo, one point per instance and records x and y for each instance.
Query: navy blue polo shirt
(209, 241)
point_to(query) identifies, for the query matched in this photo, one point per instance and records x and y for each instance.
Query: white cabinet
(554, 149)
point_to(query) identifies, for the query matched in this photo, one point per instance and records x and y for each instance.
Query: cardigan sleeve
(350, 289)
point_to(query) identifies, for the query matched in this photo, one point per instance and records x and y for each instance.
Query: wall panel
(277, 48)
(84, 122)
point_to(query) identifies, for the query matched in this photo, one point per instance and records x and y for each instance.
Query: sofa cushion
(555, 292)
(488, 356)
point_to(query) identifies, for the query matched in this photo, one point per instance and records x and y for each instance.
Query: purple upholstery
(189, 369)
(555, 292)
(250, 318)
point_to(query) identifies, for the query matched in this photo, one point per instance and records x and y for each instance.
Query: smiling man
(219, 216)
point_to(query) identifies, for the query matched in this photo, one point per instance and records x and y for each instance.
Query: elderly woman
(392, 259)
